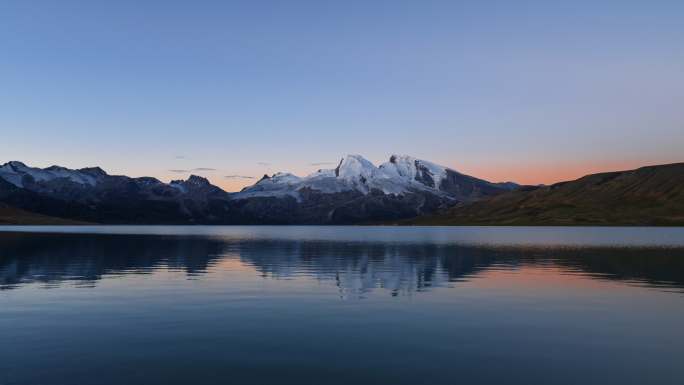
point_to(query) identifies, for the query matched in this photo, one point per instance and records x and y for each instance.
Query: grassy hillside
(13, 216)
(651, 195)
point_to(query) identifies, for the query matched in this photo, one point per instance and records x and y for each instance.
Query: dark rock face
(348, 207)
(337, 169)
(377, 206)
(424, 175)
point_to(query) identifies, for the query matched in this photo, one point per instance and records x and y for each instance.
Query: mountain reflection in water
(356, 268)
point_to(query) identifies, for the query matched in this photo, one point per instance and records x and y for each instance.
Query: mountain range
(356, 191)
(403, 190)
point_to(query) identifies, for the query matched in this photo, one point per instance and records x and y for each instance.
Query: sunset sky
(528, 91)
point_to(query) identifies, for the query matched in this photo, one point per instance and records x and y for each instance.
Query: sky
(525, 91)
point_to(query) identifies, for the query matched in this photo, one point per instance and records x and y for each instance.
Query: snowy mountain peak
(401, 174)
(355, 166)
(413, 169)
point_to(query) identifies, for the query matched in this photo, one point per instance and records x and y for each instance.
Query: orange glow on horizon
(548, 173)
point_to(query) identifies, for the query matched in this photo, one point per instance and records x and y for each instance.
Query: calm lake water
(341, 305)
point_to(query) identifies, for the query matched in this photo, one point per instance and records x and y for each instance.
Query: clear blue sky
(532, 91)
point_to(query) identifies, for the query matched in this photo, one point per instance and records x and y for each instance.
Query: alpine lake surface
(90, 305)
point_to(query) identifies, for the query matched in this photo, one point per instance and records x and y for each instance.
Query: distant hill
(651, 195)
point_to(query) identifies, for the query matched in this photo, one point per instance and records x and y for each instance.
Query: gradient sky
(530, 91)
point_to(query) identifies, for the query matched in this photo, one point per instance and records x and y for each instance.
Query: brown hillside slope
(652, 195)
(13, 216)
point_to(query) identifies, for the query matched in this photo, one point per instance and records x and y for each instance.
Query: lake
(341, 305)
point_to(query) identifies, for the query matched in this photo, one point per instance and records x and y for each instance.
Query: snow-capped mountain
(20, 174)
(356, 191)
(402, 174)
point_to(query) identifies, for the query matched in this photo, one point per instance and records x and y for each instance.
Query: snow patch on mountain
(279, 184)
(178, 185)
